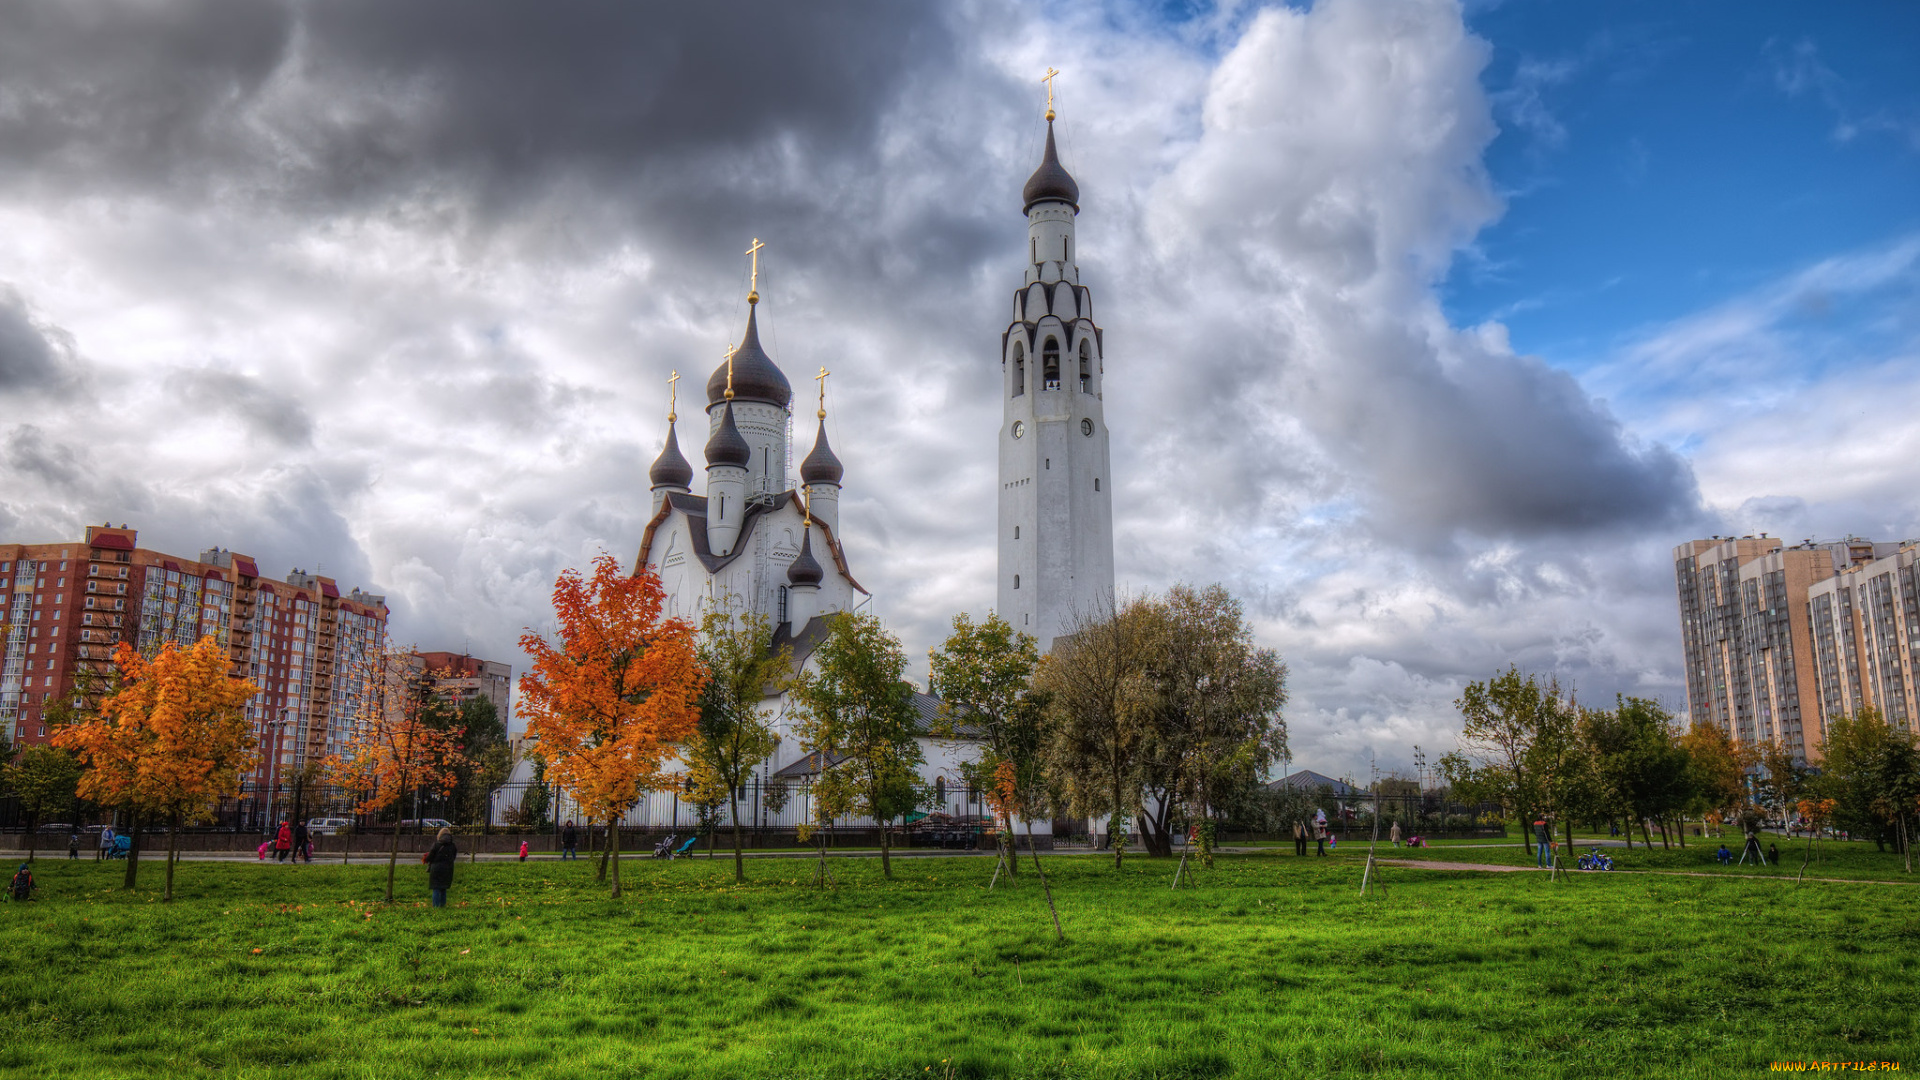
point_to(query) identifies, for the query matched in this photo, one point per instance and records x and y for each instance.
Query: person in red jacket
(523, 851)
(283, 843)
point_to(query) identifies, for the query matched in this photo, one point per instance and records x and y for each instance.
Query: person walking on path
(440, 859)
(283, 842)
(1543, 843)
(569, 841)
(302, 841)
(1320, 837)
(106, 843)
(73, 845)
(1299, 838)
(1393, 834)
(523, 851)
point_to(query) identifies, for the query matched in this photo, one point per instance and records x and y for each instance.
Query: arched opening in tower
(1050, 365)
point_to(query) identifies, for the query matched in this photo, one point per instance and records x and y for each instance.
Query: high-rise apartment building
(312, 651)
(1775, 637)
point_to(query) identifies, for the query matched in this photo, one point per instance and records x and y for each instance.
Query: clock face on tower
(1019, 428)
(1086, 428)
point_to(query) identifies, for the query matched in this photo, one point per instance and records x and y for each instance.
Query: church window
(1086, 368)
(1019, 370)
(1086, 427)
(783, 604)
(1016, 581)
(1050, 365)
(1066, 248)
(1033, 249)
(723, 508)
(1016, 532)
(940, 790)
(1096, 483)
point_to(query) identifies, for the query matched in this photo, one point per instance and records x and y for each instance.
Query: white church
(756, 541)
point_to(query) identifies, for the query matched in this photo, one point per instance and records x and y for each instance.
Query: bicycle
(1594, 860)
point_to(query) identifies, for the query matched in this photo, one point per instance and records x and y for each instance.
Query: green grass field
(1269, 966)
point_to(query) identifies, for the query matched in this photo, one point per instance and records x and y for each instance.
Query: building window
(1086, 367)
(1019, 369)
(1050, 365)
(1096, 483)
(1016, 532)
(783, 603)
(1016, 581)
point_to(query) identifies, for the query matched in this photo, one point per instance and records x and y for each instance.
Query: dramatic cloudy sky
(1430, 330)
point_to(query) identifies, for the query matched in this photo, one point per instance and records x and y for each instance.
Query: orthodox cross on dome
(673, 396)
(822, 380)
(753, 289)
(1048, 79)
(731, 349)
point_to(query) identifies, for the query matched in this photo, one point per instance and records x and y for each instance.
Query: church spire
(821, 472)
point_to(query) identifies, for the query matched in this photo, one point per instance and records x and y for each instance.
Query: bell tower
(1056, 490)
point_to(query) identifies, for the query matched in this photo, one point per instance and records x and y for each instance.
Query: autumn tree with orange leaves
(397, 746)
(615, 695)
(170, 742)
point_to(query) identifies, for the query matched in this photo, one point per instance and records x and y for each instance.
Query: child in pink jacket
(523, 851)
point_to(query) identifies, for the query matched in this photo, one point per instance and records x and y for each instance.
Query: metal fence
(762, 806)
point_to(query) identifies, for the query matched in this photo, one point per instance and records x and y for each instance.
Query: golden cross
(673, 396)
(822, 380)
(730, 352)
(753, 289)
(1048, 79)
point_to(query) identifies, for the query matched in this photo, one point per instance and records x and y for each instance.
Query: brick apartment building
(1779, 638)
(462, 677)
(310, 649)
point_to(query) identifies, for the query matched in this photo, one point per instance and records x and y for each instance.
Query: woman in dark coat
(440, 859)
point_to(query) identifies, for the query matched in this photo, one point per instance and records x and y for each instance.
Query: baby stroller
(1594, 860)
(664, 849)
(121, 845)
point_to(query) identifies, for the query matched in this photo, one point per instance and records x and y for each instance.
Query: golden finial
(753, 290)
(822, 380)
(730, 351)
(1048, 79)
(673, 396)
(806, 496)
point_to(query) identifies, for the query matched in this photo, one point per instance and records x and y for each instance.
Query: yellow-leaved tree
(615, 695)
(396, 747)
(170, 742)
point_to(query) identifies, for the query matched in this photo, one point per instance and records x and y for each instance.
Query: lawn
(1270, 966)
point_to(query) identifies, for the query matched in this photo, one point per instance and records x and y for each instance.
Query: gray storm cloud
(459, 246)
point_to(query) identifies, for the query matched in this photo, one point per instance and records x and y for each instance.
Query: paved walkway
(1426, 864)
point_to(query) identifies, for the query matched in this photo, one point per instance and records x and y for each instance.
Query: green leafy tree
(733, 734)
(1871, 771)
(1094, 684)
(1212, 711)
(1502, 719)
(1643, 770)
(46, 780)
(856, 713)
(983, 676)
(1716, 780)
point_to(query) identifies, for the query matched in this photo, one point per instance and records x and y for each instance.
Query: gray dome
(670, 469)
(1049, 181)
(805, 569)
(755, 376)
(820, 466)
(728, 446)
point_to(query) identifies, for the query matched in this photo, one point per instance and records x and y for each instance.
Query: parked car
(329, 826)
(425, 824)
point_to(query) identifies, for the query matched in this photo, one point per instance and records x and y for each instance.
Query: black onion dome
(805, 569)
(670, 469)
(755, 376)
(820, 466)
(1049, 181)
(728, 446)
